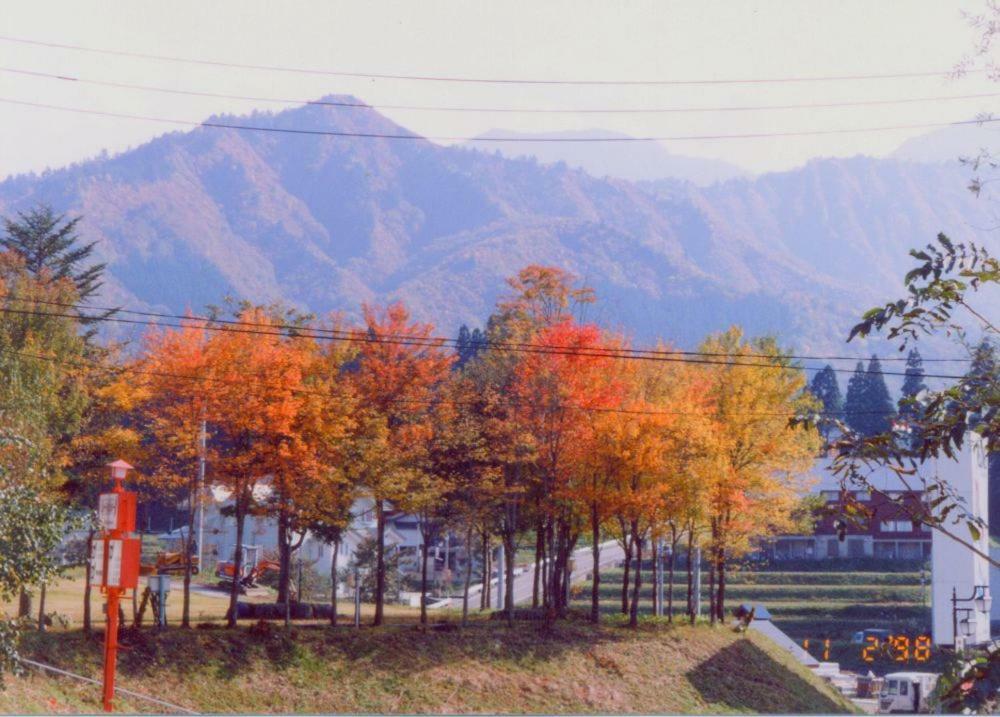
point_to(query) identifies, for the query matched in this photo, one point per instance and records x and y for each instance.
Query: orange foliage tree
(398, 366)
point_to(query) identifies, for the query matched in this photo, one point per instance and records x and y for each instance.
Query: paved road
(583, 563)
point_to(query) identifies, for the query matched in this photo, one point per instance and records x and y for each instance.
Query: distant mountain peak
(635, 161)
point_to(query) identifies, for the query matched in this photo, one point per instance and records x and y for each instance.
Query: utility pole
(201, 499)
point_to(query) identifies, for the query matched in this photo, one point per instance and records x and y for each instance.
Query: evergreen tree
(468, 344)
(869, 406)
(824, 386)
(854, 405)
(913, 384)
(878, 403)
(49, 245)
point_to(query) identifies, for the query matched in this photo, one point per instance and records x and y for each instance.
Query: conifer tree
(913, 384)
(48, 244)
(824, 386)
(878, 403)
(854, 405)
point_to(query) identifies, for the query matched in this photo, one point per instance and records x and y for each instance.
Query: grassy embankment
(572, 667)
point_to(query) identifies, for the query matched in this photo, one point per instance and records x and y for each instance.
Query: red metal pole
(111, 631)
(110, 648)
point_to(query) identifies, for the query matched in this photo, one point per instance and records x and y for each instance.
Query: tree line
(537, 431)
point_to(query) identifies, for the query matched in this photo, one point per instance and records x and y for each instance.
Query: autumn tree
(399, 364)
(556, 386)
(753, 472)
(178, 399)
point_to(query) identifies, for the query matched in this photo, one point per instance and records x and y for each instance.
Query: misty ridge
(326, 223)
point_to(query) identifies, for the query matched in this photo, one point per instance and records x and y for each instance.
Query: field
(813, 606)
(65, 598)
(486, 667)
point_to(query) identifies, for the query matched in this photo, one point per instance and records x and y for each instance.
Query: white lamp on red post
(115, 563)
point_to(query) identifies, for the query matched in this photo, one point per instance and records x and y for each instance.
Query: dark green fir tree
(824, 386)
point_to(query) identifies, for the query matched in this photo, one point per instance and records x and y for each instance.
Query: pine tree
(854, 405)
(879, 406)
(824, 386)
(913, 384)
(468, 344)
(48, 244)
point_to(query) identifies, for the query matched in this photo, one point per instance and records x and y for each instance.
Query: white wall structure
(953, 565)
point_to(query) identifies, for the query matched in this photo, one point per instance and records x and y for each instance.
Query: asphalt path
(583, 563)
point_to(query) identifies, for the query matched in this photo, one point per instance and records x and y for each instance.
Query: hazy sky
(578, 39)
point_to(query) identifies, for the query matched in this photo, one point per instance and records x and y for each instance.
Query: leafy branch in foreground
(935, 424)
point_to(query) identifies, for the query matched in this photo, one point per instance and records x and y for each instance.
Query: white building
(219, 530)
(957, 571)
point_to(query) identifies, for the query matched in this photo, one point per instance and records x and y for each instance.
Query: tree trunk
(539, 551)
(625, 576)
(379, 563)
(633, 618)
(690, 574)
(333, 583)
(484, 594)
(711, 586)
(546, 568)
(424, 552)
(720, 601)
(41, 608)
(468, 575)
(86, 588)
(188, 543)
(509, 550)
(595, 585)
(186, 600)
(284, 558)
(670, 575)
(234, 590)
(654, 601)
(24, 603)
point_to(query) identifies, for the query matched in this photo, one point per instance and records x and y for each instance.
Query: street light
(981, 601)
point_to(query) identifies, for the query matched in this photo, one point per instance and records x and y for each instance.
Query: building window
(855, 548)
(833, 548)
(896, 526)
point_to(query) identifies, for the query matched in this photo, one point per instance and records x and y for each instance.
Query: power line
(450, 138)
(498, 110)
(479, 80)
(121, 690)
(433, 342)
(437, 340)
(430, 402)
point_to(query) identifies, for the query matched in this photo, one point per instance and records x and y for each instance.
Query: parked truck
(906, 692)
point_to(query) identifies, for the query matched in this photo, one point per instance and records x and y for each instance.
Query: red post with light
(114, 562)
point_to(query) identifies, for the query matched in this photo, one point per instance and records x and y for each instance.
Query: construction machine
(168, 563)
(251, 569)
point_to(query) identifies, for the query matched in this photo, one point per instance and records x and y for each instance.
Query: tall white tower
(956, 571)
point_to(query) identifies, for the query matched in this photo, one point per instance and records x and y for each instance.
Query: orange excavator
(251, 570)
(168, 563)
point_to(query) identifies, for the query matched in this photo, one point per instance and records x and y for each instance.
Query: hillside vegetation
(327, 222)
(485, 668)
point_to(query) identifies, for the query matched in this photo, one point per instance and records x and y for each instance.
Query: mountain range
(620, 158)
(327, 222)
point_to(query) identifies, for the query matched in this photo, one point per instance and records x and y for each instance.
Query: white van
(906, 692)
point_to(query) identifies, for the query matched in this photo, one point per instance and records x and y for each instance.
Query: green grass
(572, 667)
(806, 605)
